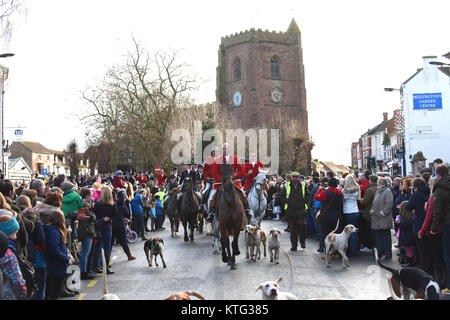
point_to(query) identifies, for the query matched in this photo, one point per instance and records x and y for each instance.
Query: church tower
(261, 78)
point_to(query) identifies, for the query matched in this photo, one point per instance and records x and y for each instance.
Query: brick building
(261, 76)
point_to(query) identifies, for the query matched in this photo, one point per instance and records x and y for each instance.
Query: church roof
(447, 55)
(293, 27)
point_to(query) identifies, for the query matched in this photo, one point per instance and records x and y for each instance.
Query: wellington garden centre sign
(427, 101)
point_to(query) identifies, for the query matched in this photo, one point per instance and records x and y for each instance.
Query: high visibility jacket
(161, 195)
(288, 191)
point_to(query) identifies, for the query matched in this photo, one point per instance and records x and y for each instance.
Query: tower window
(275, 67)
(237, 69)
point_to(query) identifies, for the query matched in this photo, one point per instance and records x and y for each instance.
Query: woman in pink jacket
(433, 242)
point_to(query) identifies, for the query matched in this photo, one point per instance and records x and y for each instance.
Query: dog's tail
(393, 271)
(394, 296)
(105, 272)
(291, 284)
(195, 294)
(335, 229)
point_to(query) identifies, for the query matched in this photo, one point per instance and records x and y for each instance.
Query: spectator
(14, 287)
(417, 204)
(57, 257)
(118, 224)
(39, 186)
(433, 242)
(351, 194)
(152, 215)
(138, 217)
(159, 214)
(441, 216)
(365, 230)
(381, 219)
(86, 233)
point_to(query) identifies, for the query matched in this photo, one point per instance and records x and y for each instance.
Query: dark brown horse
(171, 213)
(189, 210)
(230, 211)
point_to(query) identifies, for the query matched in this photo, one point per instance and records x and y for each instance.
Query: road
(193, 266)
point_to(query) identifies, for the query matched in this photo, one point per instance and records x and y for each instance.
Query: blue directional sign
(427, 101)
(44, 172)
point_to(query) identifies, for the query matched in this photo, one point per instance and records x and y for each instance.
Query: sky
(351, 51)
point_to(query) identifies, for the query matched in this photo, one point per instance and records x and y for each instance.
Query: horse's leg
(236, 251)
(225, 246)
(185, 226)
(192, 227)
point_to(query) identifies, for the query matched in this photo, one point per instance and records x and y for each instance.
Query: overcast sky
(351, 51)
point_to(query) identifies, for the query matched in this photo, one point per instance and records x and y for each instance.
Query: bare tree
(7, 10)
(137, 101)
(72, 156)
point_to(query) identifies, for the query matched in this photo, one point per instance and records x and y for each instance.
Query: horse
(214, 225)
(257, 200)
(171, 210)
(230, 212)
(189, 210)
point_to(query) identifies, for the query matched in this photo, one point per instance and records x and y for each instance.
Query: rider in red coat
(215, 173)
(251, 169)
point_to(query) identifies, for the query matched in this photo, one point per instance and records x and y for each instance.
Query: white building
(19, 171)
(426, 102)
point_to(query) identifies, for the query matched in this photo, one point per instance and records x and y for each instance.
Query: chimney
(385, 116)
(427, 60)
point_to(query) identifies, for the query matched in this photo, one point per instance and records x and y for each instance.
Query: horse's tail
(291, 283)
(195, 294)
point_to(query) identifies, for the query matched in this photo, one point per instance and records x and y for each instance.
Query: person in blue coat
(57, 258)
(417, 204)
(137, 209)
(159, 214)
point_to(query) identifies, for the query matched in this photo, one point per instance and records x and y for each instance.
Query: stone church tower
(261, 78)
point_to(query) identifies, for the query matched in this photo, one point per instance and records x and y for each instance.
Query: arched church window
(275, 67)
(237, 69)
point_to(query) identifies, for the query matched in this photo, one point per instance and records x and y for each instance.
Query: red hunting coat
(238, 171)
(249, 177)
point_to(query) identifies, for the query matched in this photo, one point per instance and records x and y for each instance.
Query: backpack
(28, 274)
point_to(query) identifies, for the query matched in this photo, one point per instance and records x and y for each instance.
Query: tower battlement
(258, 35)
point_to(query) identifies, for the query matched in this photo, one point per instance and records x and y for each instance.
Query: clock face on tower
(237, 98)
(276, 95)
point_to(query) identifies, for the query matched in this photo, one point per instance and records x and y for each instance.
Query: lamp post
(401, 125)
(4, 77)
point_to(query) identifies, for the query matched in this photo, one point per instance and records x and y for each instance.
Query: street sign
(44, 172)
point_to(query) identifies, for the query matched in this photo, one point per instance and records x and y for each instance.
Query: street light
(402, 126)
(4, 77)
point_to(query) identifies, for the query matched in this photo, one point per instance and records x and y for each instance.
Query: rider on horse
(215, 173)
(251, 169)
(192, 174)
(209, 161)
(172, 184)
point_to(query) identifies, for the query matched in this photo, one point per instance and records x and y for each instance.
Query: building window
(39, 157)
(275, 67)
(237, 69)
(48, 158)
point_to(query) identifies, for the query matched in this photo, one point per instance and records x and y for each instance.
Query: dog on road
(254, 236)
(274, 245)
(185, 296)
(338, 242)
(153, 247)
(106, 295)
(271, 290)
(410, 280)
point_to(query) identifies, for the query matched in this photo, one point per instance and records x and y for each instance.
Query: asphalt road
(193, 266)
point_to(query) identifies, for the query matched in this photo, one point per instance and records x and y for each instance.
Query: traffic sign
(44, 172)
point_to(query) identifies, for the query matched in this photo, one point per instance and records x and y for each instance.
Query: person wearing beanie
(381, 219)
(14, 288)
(365, 230)
(331, 202)
(118, 223)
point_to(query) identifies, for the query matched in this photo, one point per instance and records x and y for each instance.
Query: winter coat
(426, 227)
(96, 194)
(400, 198)
(312, 194)
(14, 287)
(350, 202)
(104, 210)
(381, 211)
(36, 245)
(123, 212)
(57, 257)
(367, 200)
(363, 185)
(296, 201)
(137, 204)
(118, 183)
(441, 203)
(417, 203)
(159, 208)
(335, 209)
(406, 237)
(86, 227)
(72, 202)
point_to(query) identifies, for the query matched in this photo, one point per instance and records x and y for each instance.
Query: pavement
(193, 266)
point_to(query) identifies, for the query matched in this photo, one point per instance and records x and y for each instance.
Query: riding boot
(211, 214)
(130, 257)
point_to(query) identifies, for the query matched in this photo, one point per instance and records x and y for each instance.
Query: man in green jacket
(294, 198)
(72, 201)
(365, 230)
